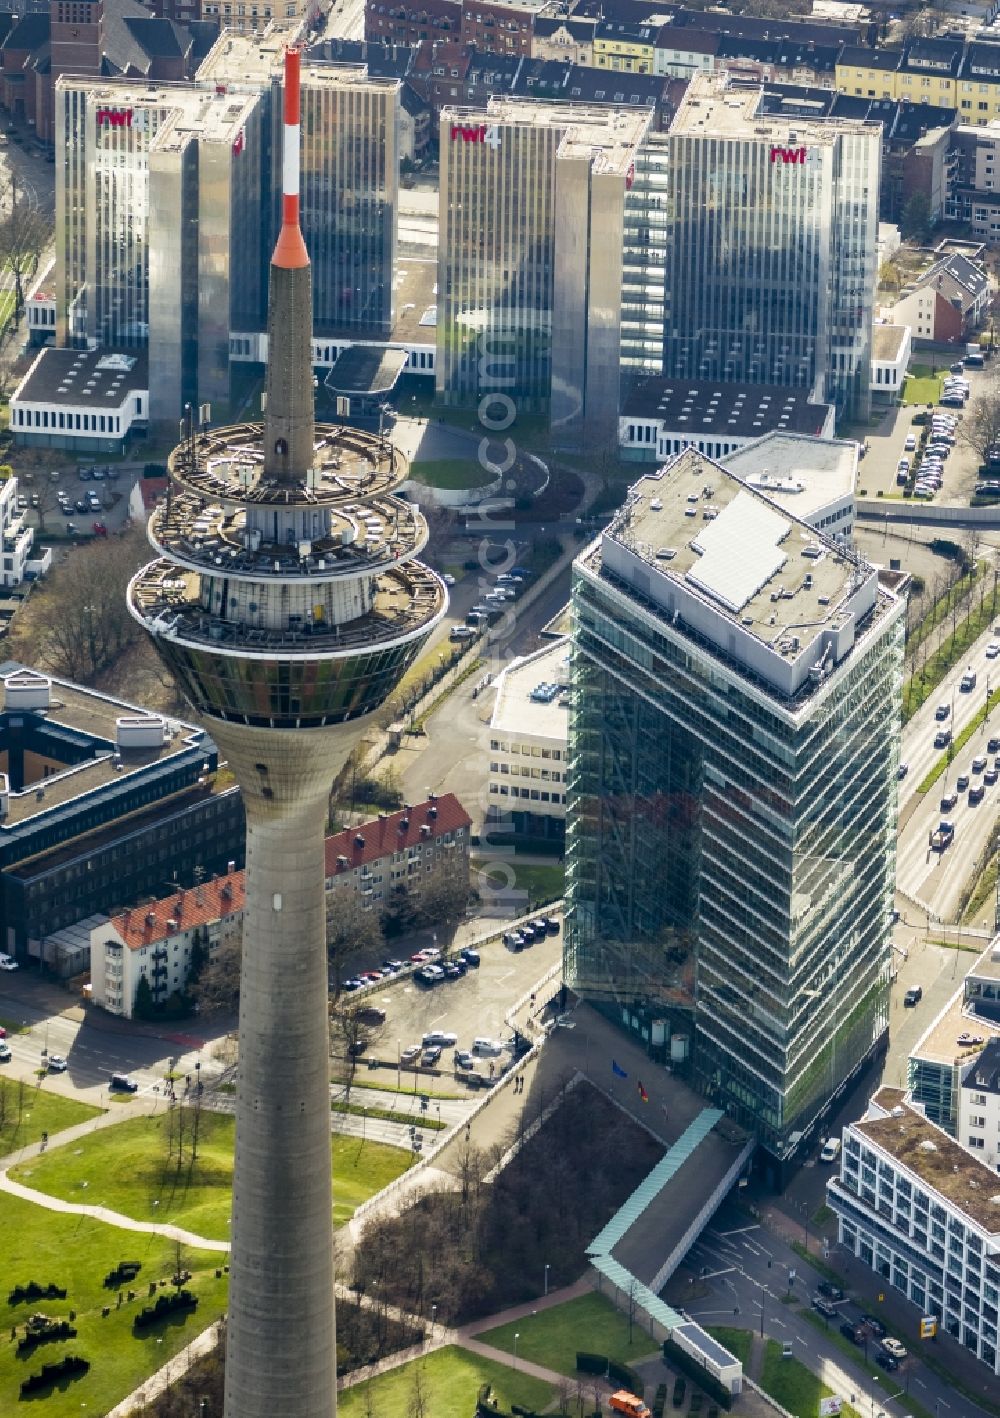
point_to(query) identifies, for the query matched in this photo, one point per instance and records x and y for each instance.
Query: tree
(25, 232)
(979, 429)
(915, 219)
(143, 1008)
(418, 1394)
(444, 895)
(352, 1032)
(350, 931)
(217, 988)
(80, 620)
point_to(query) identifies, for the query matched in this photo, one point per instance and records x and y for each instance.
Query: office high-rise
(766, 244)
(732, 802)
(287, 600)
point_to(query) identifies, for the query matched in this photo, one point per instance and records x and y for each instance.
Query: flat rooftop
(799, 473)
(721, 560)
(608, 136)
(715, 409)
(103, 377)
(940, 1042)
(928, 1151)
(711, 107)
(247, 59)
(83, 724)
(203, 112)
(887, 341)
(516, 713)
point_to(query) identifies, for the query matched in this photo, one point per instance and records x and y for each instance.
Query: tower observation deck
(287, 599)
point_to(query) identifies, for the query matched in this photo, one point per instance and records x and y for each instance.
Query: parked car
(887, 1361)
(831, 1291)
(487, 1048)
(874, 1325)
(5, 1053)
(370, 1014)
(57, 1064)
(471, 957)
(856, 1333)
(100, 529)
(893, 1347)
(432, 1055)
(464, 1060)
(451, 970)
(121, 1083)
(441, 1037)
(410, 1054)
(913, 996)
(911, 443)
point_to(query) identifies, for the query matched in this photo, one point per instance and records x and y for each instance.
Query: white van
(831, 1150)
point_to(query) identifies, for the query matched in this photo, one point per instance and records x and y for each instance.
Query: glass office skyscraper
(732, 803)
(769, 245)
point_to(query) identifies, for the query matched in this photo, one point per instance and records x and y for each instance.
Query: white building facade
(528, 737)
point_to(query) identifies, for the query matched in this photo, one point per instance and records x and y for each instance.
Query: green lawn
(541, 882)
(127, 1169)
(590, 1324)
(450, 1379)
(76, 1253)
(450, 473)
(922, 390)
(794, 1386)
(737, 1341)
(26, 1111)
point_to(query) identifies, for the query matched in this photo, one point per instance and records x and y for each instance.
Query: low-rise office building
(88, 401)
(101, 804)
(951, 1045)
(922, 1211)
(891, 348)
(529, 729)
(660, 416)
(159, 942)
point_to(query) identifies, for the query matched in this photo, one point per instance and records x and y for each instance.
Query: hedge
(34, 1291)
(50, 1374)
(678, 1358)
(166, 1305)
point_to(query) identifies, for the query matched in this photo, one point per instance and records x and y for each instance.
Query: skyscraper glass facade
(730, 850)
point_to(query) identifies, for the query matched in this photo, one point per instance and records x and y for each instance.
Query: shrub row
(660, 1401)
(165, 1305)
(34, 1291)
(680, 1388)
(50, 1333)
(68, 1368)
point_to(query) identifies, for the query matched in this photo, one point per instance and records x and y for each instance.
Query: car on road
(942, 711)
(976, 794)
(5, 1053)
(461, 632)
(902, 771)
(993, 649)
(874, 1325)
(962, 782)
(978, 763)
(942, 738)
(439, 1037)
(948, 801)
(957, 368)
(888, 1361)
(893, 1347)
(121, 1083)
(823, 1307)
(448, 579)
(463, 1059)
(993, 745)
(968, 681)
(831, 1291)
(6, 963)
(856, 1333)
(913, 996)
(990, 777)
(410, 1054)
(830, 1151)
(57, 1064)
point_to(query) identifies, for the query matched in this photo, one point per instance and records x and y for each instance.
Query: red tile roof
(372, 840)
(186, 909)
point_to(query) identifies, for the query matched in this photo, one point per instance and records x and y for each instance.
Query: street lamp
(546, 1279)
(434, 1310)
(516, 1338)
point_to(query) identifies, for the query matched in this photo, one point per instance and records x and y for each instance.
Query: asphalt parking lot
(473, 1006)
(112, 493)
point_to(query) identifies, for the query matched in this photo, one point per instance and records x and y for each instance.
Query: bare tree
(444, 895)
(351, 931)
(80, 623)
(418, 1394)
(25, 231)
(352, 1032)
(217, 988)
(980, 426)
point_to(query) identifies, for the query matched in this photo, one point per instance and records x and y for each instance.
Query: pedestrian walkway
(523, 1366)
(172, 1372)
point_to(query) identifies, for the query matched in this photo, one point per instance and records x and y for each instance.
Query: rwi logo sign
(486, 133)
(114, 117)
(792, 156)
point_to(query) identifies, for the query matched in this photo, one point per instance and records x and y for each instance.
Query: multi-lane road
(931, 877)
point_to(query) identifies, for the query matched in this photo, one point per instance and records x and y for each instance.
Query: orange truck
(627, 1403)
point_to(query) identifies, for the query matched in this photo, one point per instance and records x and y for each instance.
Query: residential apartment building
(947, 303)
(158, 942)
(399, 853)
(528, 738)
(530, 263)
(20, 560)
(766, 240)
(732, 803)
(979, 1106)
(920, 1210)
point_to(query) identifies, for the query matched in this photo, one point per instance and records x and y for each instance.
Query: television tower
(287, 601)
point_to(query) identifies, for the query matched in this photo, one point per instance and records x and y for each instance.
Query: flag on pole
(617, 1071)
(642, 1092)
